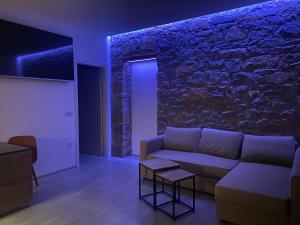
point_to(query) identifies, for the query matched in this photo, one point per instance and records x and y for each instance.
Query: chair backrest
(25, 141)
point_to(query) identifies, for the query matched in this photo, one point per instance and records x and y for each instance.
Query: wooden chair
(30, 142)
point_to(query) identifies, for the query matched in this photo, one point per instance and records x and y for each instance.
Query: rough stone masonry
(235, 70)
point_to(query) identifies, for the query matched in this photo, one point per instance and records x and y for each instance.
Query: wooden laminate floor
(100, 192)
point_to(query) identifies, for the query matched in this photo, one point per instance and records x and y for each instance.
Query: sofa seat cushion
(183, 139)
(198, 163)
(221, 143)
(256, 186)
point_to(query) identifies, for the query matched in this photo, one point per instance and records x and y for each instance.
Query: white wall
(44, 109)
(144, 102)
(52, 99)
(90, 49)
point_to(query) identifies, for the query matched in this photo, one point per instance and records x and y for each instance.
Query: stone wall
(235, 70)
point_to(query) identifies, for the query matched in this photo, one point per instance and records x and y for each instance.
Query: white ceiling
(110, 16)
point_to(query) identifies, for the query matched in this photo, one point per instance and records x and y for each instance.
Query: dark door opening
(90, 83)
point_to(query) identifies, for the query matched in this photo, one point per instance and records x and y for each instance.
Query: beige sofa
(255, 179)
(184, 146)
(263, 187)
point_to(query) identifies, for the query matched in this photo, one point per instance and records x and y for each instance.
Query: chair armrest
(150, 145)
(295, 190)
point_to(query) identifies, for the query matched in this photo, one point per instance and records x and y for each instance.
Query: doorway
(90, 109)
(144, 101)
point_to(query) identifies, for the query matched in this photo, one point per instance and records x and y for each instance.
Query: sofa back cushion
(221, 143)
(183, 139)
(276, 150)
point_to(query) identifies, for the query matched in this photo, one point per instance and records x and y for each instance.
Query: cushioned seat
(198, 163)
(256, 186)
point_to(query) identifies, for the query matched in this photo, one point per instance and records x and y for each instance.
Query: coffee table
(154, 165)
(175, 176)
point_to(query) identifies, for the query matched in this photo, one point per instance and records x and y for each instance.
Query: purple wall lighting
(219, 17)
(45, 53)
(49, 64)
(233, 70)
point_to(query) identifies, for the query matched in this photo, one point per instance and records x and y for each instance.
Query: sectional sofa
(255, 179)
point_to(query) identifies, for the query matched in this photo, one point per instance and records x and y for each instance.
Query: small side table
(175, 176)
(154, 165)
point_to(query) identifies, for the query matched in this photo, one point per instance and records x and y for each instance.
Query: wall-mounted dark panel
(29, 52)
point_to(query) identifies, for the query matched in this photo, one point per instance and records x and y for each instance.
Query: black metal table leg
(154, 190)
(193, 193)
(179, 190)
(163, 185)
(174, 201)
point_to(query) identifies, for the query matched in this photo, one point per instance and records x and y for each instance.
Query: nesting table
(154, 165)
(169, 172)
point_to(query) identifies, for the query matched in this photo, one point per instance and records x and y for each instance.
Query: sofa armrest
(150, 145)
(295, 190)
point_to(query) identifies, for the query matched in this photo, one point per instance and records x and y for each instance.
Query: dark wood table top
(11, 149)
(175, 175)
(159, 164)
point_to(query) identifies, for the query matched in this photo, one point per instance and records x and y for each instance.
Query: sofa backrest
(183, 139)
(220, 143)
(276, 150)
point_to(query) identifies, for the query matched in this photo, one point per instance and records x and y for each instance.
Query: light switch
(68, 113)
(69, 145)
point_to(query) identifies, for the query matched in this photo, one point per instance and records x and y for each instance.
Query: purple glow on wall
(108, 96)
(233, 70)
(54, 63)
(45, 53)
(222, 16)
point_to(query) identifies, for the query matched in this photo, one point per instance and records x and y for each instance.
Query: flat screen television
(32, 53)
